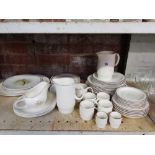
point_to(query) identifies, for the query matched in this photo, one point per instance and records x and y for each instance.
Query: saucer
(38, 110)
(116, 78)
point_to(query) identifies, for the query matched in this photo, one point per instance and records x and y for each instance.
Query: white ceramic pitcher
(107, 60)
(65, 94)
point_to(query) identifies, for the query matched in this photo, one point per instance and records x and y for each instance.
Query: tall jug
(107, 60)
(65, 94)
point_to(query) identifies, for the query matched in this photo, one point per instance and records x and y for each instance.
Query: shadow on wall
(52, 54)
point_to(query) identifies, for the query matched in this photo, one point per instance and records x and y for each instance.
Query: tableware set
(106, 80)
(36, 99)
(131, 102)
(100, 102)
(118, 80)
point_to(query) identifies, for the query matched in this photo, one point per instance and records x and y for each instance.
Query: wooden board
(56, 121)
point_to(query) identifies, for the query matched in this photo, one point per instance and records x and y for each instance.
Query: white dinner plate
(125, 103)
(18, 92)
(36, 111)
(131, 94)
(129, 108)
(21, 82)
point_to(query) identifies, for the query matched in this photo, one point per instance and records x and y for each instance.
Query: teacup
(115, 119)
(89, 96)
(84, 90)
(87, 110)
(103, 96)
(105, 106)
(101, 119)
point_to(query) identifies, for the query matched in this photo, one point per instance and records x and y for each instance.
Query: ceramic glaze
(65, 94)
(36, 95)
(107, 60)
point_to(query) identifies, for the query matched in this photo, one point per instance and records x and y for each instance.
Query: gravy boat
(35, 96)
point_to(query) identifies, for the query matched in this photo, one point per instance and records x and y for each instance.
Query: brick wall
(52, 54)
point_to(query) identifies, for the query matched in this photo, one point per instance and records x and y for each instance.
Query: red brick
(51, 70)
(23, 69)
(10, 70)
(59, 20)
(83, 72)
(94, 39)
(16, 48)
(1, 59)
(19, 59)
(85, 60)
(101, 47)
(48, 59)
(16, 38)
(46, 48)
(6, 70)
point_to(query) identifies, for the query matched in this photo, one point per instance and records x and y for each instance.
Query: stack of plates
(130, 102)
(118, 80)
(19, 84)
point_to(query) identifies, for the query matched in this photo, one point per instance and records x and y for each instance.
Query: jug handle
(118, 58)
(51, 79)
(80, 98)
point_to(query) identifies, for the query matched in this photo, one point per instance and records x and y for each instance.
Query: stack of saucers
(118, 80)
(19, 84)
(131, 102)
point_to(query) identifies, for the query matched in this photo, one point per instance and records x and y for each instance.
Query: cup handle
(117, 58)
(90, 88)
(80, 98)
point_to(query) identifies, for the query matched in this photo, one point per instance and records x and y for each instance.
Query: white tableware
(103, 96)
(115, 119)
(18, 92)
(131, 94)
(116, 78)
(34, 96)
(65, 94)
(76, 78)
(107, 87)
(107, 60)
(101, 119)
(130, 109)
(87, 110)
(38, 110)
(89, 96)
(105, 106)
(19, 82)
(85, 88)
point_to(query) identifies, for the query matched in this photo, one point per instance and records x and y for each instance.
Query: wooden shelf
(77, 27)
(56, 123)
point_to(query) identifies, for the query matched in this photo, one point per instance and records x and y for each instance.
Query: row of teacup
(115, 119)
(100, 102)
